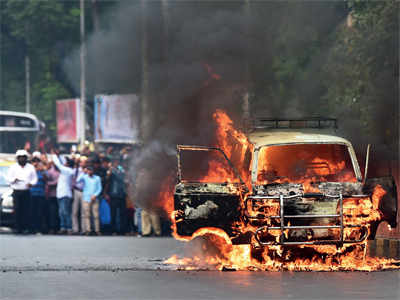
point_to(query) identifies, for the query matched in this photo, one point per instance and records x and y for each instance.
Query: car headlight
(7, 198)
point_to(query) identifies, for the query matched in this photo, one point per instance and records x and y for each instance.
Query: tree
(361, 73)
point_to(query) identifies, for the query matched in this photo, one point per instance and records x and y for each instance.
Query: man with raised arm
(64, 193)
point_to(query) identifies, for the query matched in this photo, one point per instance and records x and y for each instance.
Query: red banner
(68, 121)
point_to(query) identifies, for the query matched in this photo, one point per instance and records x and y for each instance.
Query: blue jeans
(138, 219)
(65, 211)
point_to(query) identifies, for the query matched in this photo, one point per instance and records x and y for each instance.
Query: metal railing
(283, 240)
(292, 123)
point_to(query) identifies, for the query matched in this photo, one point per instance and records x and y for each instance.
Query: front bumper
(281, 220)
(7, 216)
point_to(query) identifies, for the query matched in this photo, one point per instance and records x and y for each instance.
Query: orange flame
(277, 258)
(234, 143)
(297, 163)
(356, 211)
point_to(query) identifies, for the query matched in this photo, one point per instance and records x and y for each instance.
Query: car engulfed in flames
(285, 195)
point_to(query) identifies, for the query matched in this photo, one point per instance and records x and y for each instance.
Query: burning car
(284, 182)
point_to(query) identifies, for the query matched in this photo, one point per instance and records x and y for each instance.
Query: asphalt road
(66, 267)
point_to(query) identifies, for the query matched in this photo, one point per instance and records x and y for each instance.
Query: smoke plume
(204, 55)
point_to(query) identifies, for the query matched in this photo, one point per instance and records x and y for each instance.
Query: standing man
(100, 169)
(90, 204)
(64, 193)
(51, 191)
(117, 195)
(38, 204)
(77, 189)
(22, 176)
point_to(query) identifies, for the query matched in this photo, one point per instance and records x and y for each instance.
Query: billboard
(68, 120)
(116, 118)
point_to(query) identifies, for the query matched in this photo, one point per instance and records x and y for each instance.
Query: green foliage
(28, 19)
(337, 59)
(298, 43)
(46, 31)
(360, 73)
(48, 91)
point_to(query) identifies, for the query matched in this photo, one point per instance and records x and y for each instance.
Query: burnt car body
(200, 204)
(304, 186)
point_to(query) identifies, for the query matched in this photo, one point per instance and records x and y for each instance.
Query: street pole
(144, 116)
(83, 76)
(166, 21)
(246, 96)
(27, 84)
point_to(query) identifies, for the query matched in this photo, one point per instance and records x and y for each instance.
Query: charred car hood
(207, 188)
(327, 188)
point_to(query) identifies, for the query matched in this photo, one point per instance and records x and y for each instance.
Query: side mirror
(366, 163)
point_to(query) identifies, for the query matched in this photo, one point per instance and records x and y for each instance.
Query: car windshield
(3, 173)
(10, 141)
(305, 162)
(202, 165)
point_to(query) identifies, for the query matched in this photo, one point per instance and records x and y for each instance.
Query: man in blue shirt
(90, 204)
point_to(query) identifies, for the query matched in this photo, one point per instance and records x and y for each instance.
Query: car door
(209, 191)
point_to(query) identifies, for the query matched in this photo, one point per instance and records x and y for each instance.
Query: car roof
(291, 136)
(6, 163)
(6, 159)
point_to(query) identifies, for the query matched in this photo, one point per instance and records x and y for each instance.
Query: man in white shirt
(21, 176)
(64, 193)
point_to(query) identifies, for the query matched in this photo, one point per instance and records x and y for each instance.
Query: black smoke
(241, 48)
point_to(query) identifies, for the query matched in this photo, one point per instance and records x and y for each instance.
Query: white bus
(16, 129)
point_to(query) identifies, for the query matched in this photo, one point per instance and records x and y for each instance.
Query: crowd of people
(85, 193)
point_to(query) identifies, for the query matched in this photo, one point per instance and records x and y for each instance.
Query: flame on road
(215, 247)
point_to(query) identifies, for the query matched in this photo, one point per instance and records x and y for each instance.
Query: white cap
(21, 152)
(36, 154)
